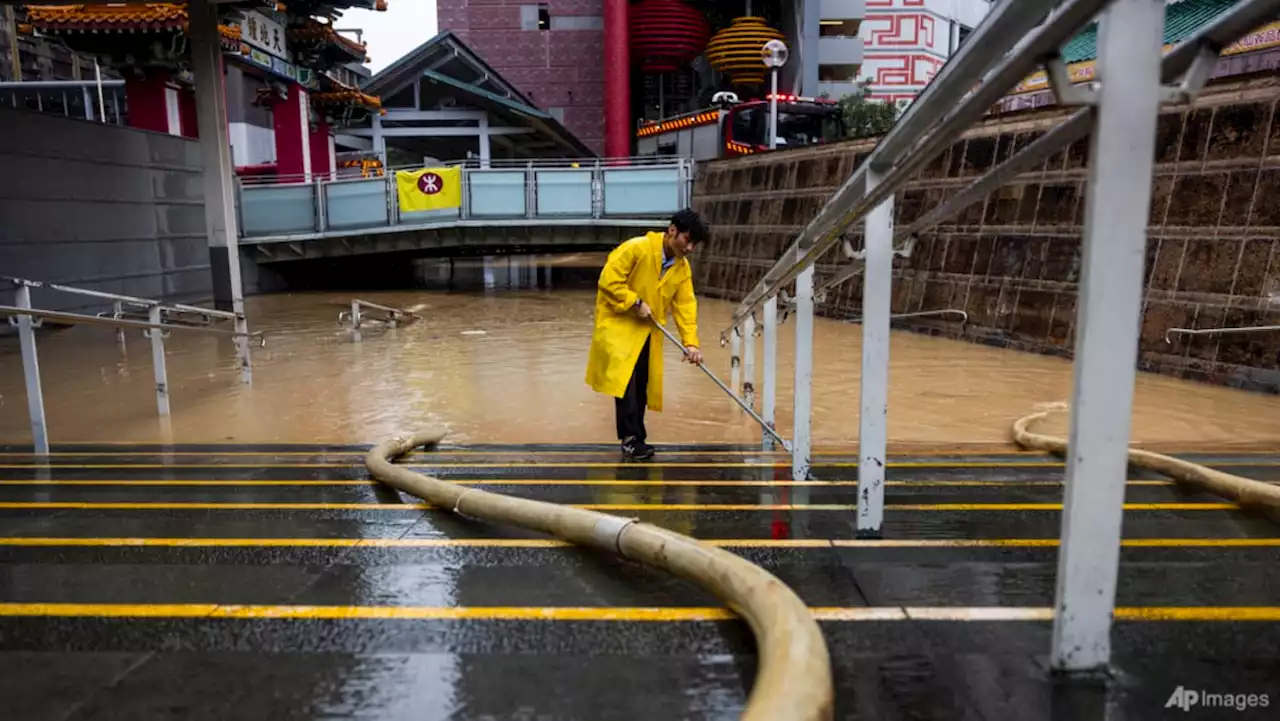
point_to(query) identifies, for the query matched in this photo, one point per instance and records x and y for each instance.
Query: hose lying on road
(1247, 493)
(793, 680)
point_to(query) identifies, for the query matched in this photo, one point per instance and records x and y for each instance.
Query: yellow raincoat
(634, 270)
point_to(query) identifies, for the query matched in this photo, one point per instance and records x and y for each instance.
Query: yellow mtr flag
(429, 189)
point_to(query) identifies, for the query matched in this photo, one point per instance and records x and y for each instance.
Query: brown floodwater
(506, 365)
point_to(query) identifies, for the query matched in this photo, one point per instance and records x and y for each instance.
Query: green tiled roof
(1181, 19)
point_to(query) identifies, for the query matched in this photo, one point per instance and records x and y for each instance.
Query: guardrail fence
(557, 190)
(161, 318)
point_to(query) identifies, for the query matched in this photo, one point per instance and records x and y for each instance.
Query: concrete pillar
(292, 121)
(215, 149)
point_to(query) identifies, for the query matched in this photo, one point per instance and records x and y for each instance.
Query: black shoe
(637, 450)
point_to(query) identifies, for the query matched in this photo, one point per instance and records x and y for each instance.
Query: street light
(774, 55)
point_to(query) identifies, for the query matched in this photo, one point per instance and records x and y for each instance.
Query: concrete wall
(101, 207)
(1012, 261)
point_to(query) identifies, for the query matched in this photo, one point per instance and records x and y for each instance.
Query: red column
(320, 139)
(146, 98)
(292, 131)
(617, 81)
(187, 112)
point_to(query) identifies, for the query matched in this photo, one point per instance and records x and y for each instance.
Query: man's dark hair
(688, 221)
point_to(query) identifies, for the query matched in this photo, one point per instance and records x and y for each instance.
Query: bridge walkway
(280, 582)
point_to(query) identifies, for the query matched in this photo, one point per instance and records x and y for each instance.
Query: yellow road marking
(673, 464)
(928, 483)
(98, 542)
(105, 505)
(613, 613)
(557, 464)
(851, 452)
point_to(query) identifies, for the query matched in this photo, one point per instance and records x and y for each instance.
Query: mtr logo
(1186, 699)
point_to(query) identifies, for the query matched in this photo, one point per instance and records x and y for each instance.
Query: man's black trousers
(630, 407)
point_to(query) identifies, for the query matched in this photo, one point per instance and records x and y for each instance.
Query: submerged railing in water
(26, 318)
(563, 191)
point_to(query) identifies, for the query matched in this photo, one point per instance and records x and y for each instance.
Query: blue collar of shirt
(666, 262)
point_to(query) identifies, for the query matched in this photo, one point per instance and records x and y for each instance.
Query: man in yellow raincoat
(644, 278)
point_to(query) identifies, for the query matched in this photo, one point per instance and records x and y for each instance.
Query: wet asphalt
(279, 582)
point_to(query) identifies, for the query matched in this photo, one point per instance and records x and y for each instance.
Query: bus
(732, 128)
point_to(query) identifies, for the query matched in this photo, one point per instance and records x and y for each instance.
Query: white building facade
(906, 42)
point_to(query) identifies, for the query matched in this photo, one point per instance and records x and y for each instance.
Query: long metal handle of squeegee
(767, 428)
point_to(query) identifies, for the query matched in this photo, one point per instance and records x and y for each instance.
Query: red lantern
(666, 35)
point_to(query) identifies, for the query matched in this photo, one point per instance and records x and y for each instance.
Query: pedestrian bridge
(506, 206)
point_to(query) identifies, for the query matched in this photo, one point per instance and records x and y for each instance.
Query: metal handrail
(27, 319)
(1194, 57)
(917, 138)
(314, 191)
(59, 84)
(143, 302)
(356, 315)
(474, 164)
(79, 319)
(1219, 331)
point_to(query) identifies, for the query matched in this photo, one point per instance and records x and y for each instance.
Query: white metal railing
(570, 191)
(98, 100)
(158, 323)
(1119, 111)
(1219, 331)
(389, 317)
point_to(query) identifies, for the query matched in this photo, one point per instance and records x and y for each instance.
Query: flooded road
(500, 358)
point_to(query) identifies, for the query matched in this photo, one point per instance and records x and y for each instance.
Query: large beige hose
(793, 681)
(1247, 493)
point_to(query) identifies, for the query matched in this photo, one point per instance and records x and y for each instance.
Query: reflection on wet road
(280, 582)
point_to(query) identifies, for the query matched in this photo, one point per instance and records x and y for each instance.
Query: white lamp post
(774, 55)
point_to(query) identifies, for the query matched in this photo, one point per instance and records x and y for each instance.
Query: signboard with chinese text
(265, 34)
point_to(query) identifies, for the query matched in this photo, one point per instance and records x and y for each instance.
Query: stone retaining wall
(1012, 261)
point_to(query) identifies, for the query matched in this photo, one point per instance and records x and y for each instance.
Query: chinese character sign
(265, 34)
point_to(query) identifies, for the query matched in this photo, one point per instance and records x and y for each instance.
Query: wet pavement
(279, 582)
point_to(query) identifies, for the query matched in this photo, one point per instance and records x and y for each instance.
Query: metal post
(102, 103)
(801, 441)
(118, 307)
(877, 297)
(735, 361)
(31, 372)
(749, 361)
(773, 109)
(157, 361)
(769, 402)
(321, 205)
(88, 103)
(1109, 310)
